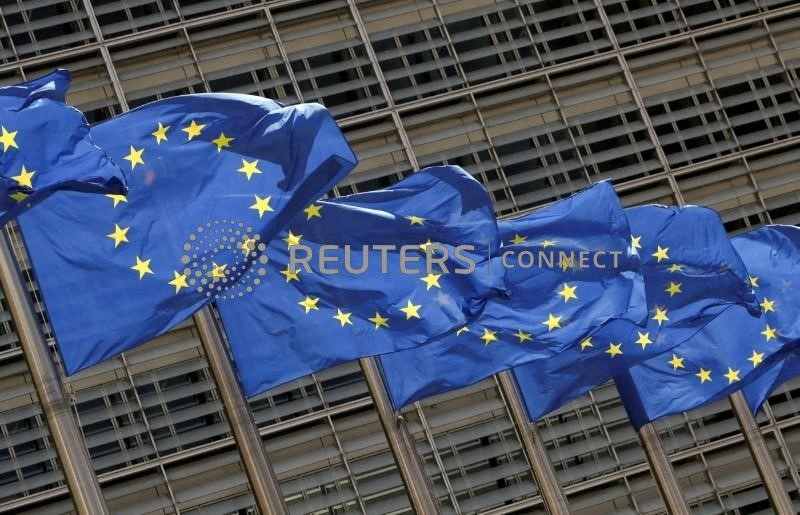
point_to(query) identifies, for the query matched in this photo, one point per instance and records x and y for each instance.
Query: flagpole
(758, 448)
(555, 500)
(64, 431)
(662, 471)
(418, 485)
(263, 481)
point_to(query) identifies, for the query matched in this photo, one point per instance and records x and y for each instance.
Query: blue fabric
(512, 330)
(777, 369)
(699, 258)
(275, 338)
(45, 146)
(206, 174)
(732, 348)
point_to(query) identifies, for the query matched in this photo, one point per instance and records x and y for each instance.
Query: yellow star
(218, 271)
(193, 130)
(660, 316)
(249, 168)
(768, 305)
(732, 375)
(523, 336)
(431, 280)
(568, 292)
(464, 329)
(179, 281)
(291, 275)
(135, 157)
(411, 310)
(222, 141)
(548, 243)
(704, 375)
(585, 344)
(489, 336)
(416, 220)
(552, 322)
(675, 268)
(160, 134)
(117, 198)
(660, 254)
(143, 267)
(614, 350)
(769, 333)
(753, 281)
(379, 320)
(19, 196)
(119, 235)
(248, 245)
(676, 362)
(292, 239)
(424, 246)
(7, 139)
(674, 288)
(309, 303)
(644, 339)
(636, 241)
(312, 211)
(261, 205)
(518, 239)
(24, 179)
(756, 358)
(342, 317)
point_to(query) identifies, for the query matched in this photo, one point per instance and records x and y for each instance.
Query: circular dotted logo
(224, 259)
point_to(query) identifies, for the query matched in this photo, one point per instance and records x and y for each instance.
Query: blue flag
(45, 146)
(777, 369)
(730, 350)
(692, 274)
(569, 271)
(348, 301)
(210, 175)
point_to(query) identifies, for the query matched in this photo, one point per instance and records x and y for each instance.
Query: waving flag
(366, 288)
(568, 270)
(692, 274)
(45, 146)
(731, 350)
(208, 175)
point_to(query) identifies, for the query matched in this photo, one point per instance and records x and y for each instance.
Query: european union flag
(692, 274)
(731, 350)
(210, 176)
(46, 147)
(369, 282)
(569, 271)
(777, 369)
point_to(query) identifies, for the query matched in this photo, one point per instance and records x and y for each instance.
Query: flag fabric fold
(45, 145)
(359, 301)
(692, 274)
(210, 176)
(569, 270)
(732, 350)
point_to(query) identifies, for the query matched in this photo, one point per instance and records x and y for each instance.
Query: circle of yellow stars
(200, 270)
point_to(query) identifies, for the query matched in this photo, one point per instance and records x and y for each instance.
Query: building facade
(678, 101)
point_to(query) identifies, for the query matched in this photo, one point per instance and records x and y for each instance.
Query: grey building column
(418, 485)
(64, 431)
(555, 500)
(263, 481)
